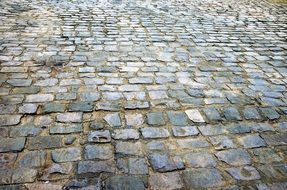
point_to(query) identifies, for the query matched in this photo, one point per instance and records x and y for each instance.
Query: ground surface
(134, 95)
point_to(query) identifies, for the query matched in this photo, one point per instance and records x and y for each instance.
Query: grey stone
(251, 114)
(202, 178)
(70, 117)
(66, 96)
(275, 139)
(195, 116)
(24, 175)
(125, 134)
(154, 132)
(129, 148)
(167, 181)
(95, 167)
(25, 131)
(32, 159)
(28, 108)
(138, 166)
(99, 136)
(81, 106)
(8, 120)
(20, 82)
(185, 131)
(47, 82)
(66, 154)
(12, 144)
(156, 95)
(134, 119)
(43, 142)
(124, 182)
(102, 152)
(61, 128)
(113, 119)
(177, 118)
(266, 155)
(221, 142)
(244, 173)
(89, 96)
(165, 163)
(234, 157)
(238, 128)
(155, 118)
(192, 143)
(270, 113)
(251, 141)
(210, 130)
(53, 107)
(199, 160)
(231, 113)
(212, 114)
(39, 98)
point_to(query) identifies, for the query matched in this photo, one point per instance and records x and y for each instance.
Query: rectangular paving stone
(192, 143)
(74, 117)
(165, 163)
(177, 118)
(202, 178)
(61, 128)
(14, 69)
(171, 180)
(234, 157)
(101, 136)
(102, 152)
(129, 148)
(251, 141)
(195, 116)
(125, 134)
(39, 98)
(154, 132)
(66, 154)
(185, 131)
(93, 167)
(45, 142)
(12, 144)
(8, 120)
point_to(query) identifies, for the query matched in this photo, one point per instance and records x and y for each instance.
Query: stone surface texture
(143, 94)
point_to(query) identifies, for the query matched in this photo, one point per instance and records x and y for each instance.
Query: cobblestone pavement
(143, 95)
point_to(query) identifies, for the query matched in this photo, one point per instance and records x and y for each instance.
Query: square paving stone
(177, 118)
(155, 118)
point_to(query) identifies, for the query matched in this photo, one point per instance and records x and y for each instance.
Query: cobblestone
(133, 94)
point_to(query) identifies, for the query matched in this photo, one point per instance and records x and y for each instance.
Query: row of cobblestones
(111, 94)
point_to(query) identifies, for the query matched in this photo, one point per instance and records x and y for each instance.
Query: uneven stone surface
(133, 94)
